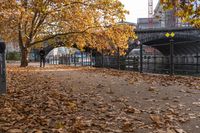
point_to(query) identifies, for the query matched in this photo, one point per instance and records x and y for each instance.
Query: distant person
(42, 57)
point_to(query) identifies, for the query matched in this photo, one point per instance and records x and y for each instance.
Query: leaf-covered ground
(61, 99)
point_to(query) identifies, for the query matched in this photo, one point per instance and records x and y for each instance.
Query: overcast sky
(137, 9)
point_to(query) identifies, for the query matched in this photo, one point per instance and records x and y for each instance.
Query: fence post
(148, 62)
(74, 59)
(118, 58)
(141, 58)
(53, 59)
(69, 59)
(102, 58)
(91, 58)
(134, 63)
(96, 62)
(56, 60)
(128, 62)
(2, 68)
(197, 70)
(87, 62)
(86, 58)
(63, 59)
(82, 58)
(171, 57)
(154, 63)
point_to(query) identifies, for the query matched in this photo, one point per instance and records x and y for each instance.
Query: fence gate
(2, 68)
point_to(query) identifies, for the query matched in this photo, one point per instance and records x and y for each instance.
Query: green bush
(13, 56)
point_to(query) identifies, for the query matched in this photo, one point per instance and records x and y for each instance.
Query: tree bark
(24, 57)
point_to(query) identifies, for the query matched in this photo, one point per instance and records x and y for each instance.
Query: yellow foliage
(87, 23)
(188, 10)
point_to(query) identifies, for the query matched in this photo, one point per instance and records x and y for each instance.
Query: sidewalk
(82, 99)
(17, 63)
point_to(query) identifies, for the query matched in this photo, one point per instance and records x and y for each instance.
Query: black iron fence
(83, 59)
(187, 64)
(183, 64)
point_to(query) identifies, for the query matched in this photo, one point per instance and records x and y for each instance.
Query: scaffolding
(150, 13)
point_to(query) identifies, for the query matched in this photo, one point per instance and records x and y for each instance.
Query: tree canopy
(91, 23)
(188, 10)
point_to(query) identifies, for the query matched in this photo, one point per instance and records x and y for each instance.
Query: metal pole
(69, 59)
(4, 73)
(128, 62)
(2, 68)
(53, 59)
(154, 61)
(171, 57)
(118, 58)
(74, 59)
(141, 58)
(95, 59)
(134, 63)
(197, 63)
(86, 60)
(102, 59)
(148, 62)
(91, 58)
(82, 58)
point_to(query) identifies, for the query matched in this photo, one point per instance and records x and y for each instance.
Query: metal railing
(184, 65)
(83, 59)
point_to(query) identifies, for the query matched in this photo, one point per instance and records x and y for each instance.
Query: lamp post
(2, 68)
(171, 36)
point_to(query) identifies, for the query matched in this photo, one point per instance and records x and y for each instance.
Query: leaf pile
(46, 101)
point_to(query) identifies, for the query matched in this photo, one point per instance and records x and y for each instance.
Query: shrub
(13, 56)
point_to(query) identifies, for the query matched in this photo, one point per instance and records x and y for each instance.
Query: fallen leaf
(157, 119)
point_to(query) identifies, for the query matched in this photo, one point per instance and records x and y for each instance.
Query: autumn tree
(188, 10)
(88, 23)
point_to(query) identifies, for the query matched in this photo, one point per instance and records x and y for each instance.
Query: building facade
(12, 47)
(163, 18)
(167, 18)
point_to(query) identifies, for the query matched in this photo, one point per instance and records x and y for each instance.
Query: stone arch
(184, 43)
(161, 36)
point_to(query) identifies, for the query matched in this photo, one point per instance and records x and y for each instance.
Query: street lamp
(171, 36)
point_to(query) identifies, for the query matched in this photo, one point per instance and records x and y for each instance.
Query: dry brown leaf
(180, 131)
(170, 130)
(157, 119)
(15, 131)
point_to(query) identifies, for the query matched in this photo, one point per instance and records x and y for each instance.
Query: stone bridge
(186, 40)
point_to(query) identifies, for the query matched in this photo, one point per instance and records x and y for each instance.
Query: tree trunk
(24, 57)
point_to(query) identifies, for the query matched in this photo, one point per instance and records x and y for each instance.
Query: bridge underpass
(184, 56)
(181, 46)
(186, 40)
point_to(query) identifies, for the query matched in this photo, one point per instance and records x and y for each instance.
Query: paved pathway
(83, 99)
